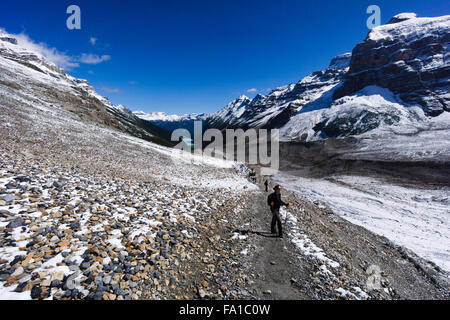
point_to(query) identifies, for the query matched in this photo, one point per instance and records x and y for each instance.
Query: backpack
(269, 199)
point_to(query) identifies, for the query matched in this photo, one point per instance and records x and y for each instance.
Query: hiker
(275, 202)
(267, 185)
(252, 175)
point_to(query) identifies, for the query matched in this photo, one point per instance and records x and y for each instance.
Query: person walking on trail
(275, 202)
(266, 183)
(252, 175)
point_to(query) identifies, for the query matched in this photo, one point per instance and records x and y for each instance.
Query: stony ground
(87, 212)
(77, 235)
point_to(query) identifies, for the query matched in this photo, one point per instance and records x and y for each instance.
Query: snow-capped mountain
(27, 76)
(275, 109)
(162, 116)
(392, 93)
(394, 99)
(230, 115)
(409, 56)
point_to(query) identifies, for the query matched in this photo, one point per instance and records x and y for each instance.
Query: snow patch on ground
(417, 219)
(303, 243)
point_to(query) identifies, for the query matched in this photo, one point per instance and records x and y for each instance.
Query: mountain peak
(4, 36)
(402, 17)
(341, 61)
(409, 27)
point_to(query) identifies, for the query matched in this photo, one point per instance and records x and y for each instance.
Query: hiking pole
(285, 218)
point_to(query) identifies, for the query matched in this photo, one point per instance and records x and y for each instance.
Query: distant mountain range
(391, 95)
(271, 111)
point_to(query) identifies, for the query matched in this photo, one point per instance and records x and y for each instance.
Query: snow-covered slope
(26, 75)
(383, 127)
(416, 218)
(391, 91)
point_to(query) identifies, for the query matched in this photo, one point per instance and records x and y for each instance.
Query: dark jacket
(276, 199)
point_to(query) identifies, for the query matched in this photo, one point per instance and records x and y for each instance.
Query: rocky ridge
(28, 76)
(410, 57)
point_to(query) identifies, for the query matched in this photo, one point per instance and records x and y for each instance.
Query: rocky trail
(273, 261)
(82, 236)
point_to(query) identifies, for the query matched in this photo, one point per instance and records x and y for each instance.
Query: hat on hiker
(277, 187)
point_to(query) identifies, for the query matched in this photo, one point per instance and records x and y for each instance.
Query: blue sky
(195, 56)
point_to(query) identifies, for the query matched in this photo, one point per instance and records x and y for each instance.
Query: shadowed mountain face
(28, 77)
(410, 57)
